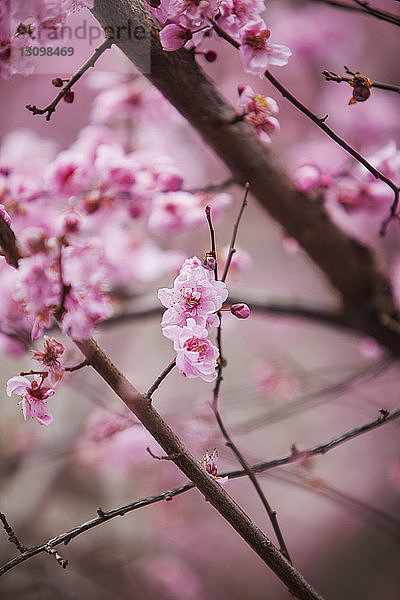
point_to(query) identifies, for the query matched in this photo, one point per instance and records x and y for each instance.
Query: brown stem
(232, 249)
(160, 378)
(364, 8)
(50, 108)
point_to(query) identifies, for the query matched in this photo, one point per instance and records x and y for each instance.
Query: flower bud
(69, 97)
(241, 311)
(154, 3)
(57, 82)
(209, 262)
(210, 56)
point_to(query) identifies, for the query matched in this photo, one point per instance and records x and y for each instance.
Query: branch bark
(350, 267)
(140, 405)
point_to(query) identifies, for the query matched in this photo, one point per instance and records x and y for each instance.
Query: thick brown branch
(348, 265)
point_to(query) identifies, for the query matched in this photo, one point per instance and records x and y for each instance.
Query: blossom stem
(232, 249)
(160, 379)
(332, 76)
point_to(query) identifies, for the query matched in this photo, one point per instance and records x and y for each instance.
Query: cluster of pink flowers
(191, 307)
(259, 111)
(190, 19)
(209, 462)
(355, 200)
(28, 24)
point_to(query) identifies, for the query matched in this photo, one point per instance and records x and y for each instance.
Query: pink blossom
(67, 174)
(193, 296)
(34, 395)
(195, 355)
(49, 358)
(236, 13)
(241, 311)
(173, 37)
(209, 462)
(255, 50)
(259, 111)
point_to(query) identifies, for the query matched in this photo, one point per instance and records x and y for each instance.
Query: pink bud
(57, 82)
(210, 56)
(69, 97)
(241, 311)
(209, 263)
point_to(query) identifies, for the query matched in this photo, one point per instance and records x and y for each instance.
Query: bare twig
(50, 108)
(11, 534)
(364, 8)
(160, 379)
(232, 249)
(104, 516)
(213, 187)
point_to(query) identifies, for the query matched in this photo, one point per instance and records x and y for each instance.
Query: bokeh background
(287, 381)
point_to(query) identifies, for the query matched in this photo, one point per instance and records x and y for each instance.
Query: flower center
(195, 345)
(257, 42)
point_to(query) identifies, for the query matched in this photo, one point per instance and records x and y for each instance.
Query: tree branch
(349, 266)
(103, 516)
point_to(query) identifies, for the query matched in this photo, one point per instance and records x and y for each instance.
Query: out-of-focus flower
(34, 395)
(259, 111)
(49, 358)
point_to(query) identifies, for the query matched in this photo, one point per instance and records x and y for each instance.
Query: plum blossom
(194, 296)
(256, 52)
(209, 462)
(236, 13)
(34, 395)
(195, 355)
(259, 111)
(49, 358)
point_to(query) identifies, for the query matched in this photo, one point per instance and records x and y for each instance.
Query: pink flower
(241, 311)
(34, 395)
(195, 355)
(209, 462)
(259, 111)
(173, 37)
(194, 296)
(52, 350)
(255, 50)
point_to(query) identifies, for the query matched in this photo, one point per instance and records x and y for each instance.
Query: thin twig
(320, 122)
(221, 364)
(364, 8)
(213, 187)
(50, 108)
(11, 534)
(160, 378)
(213, 252)
(232, 249)
(82, 364)
(104, 516)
